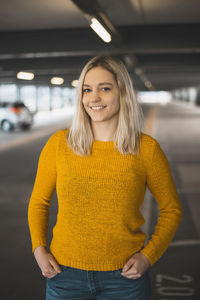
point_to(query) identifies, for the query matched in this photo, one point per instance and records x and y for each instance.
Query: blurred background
(43, 47)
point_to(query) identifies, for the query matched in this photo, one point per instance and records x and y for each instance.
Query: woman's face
(101, 95)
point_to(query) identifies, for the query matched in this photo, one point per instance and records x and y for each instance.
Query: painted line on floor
(185, 243)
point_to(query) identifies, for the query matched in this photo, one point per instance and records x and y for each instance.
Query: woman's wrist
(39, 250)
(146, 258)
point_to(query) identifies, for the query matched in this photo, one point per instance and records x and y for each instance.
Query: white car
(15, 115)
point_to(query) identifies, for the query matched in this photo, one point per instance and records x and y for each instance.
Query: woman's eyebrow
(101, 83)
(105, 83)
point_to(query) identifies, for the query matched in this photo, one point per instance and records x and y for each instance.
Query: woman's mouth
(97, 107)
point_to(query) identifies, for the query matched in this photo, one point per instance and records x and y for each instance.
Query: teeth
(97, 107)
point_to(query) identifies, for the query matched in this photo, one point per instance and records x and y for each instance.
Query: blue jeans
(77, 284)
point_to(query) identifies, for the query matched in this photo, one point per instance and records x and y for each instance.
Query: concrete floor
(175, 276)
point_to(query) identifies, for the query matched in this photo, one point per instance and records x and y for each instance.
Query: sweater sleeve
(43, 189)
(161, 184)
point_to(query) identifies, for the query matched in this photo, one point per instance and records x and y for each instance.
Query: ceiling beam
(137, 39)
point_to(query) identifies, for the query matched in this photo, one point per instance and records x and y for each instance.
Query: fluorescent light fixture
(100, 30)
(75, 83)
(148, 84)
(25, 75)
(57, 80)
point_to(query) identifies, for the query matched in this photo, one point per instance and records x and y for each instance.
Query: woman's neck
(103, 131)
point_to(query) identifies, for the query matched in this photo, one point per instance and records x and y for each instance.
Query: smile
(97, 107)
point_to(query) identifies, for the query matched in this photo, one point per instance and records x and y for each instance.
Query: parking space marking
(185, 243)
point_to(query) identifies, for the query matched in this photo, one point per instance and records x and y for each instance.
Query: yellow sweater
(99, 200)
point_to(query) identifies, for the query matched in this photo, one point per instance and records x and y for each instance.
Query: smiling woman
(100, 169)
(104, 81)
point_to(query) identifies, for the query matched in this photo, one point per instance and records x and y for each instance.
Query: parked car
(15, 115)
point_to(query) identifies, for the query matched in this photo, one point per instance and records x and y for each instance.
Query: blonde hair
(127, 136)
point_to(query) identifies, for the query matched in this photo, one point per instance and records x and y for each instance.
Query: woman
(100, 168)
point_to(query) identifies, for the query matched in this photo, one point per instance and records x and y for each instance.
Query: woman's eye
(106, 89)
(86, 90)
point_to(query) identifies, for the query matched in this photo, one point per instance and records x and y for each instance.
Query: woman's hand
(136, 266)
(46, 262)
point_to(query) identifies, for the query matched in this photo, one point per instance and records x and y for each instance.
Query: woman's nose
(95, 96)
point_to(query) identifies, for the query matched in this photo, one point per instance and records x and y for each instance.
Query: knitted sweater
(99, 199)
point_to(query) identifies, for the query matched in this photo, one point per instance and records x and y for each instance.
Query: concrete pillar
(178, 95)
(185, 95)
(173, 93)
(18, 93)
(197, 100)
(36, 99)
(50, 98)
(62, 98)
(192, 94)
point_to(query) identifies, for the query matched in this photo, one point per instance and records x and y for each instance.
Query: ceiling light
(75, 83)
(138, 71)
(100, 30)
(57, 80)
(148, 84)
(25, 75)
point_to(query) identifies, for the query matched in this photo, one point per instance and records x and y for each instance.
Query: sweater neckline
(103, 144)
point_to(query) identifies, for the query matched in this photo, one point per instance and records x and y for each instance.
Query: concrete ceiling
(158, 40)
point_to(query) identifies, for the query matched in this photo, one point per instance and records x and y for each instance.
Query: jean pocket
(141, 278)
(63, 269)
(54, 277)
(120, 270)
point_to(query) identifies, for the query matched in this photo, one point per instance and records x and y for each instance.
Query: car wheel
(6, 126)
(25, 126)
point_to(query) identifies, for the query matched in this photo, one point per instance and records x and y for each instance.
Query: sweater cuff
(37, 244)
(149, 255)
